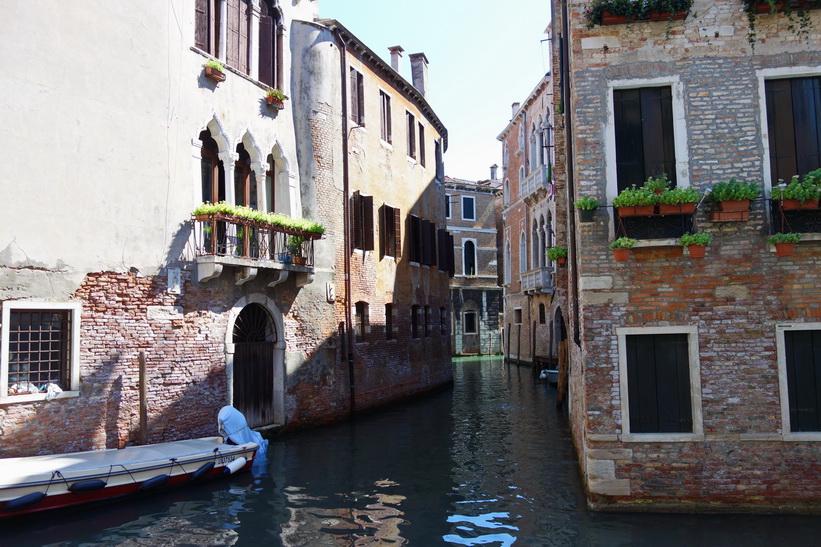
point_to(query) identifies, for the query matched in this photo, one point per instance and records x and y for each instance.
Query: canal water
(489, 462)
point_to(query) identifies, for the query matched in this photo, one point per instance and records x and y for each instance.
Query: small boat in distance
(41, 483)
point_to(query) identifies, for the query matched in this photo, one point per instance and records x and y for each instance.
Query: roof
(537, 91)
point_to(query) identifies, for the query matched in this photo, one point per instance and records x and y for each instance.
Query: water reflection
(488, 463)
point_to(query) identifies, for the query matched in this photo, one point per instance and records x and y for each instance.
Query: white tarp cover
(232, 425)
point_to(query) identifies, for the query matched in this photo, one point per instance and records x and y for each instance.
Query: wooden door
(254, 344)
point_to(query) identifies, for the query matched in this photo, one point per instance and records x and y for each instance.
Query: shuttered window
(421, 145)
(206, 25)
(802, 352)
(270, 45)
(794, 126)
(658, 382)
(385, 115)
(390, 232)
(357, 87)
(238, 37)
(645, 145)
(363, 222)
(411, 134)
(415, 238)
(446, 252)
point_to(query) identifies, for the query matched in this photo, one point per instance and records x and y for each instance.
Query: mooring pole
(143, 401)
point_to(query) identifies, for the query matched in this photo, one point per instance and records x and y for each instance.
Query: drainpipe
(343, 62)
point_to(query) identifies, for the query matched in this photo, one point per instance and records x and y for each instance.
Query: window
(469, 257)
(447, 205)
(428, 243)
(794, 126)
(440, 164)
(522, 253)
(421, 144)
(428, 322)
(411, 134)
(468, 208)
(517, 316)
(206, 21)
(415, 321)
(799, 359)
(41, 346)
(645, 144)
(415, 238)
(357, 97)
(471, 323)
(542, 314)
(660, 383)
(507, 190)
(213, 175)
(238, 35)
(385, 115)
(508, 259)
(245, 186)
(363, 222)
(446, 252)
(390, 232)
(361, 326)
(422, 240)
(388, 321)
(505, 155)
(270, 45)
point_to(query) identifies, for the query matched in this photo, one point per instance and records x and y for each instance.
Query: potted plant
(696, 243)
(677, 201)
(275, 98)
(295, 249)
(587, 208)
(214, 70)
(657, 184)
(798, 194)
(733, 199)
(635, 201)
(784, 243)
(800, 22)
(557, 254)
(616, 12)
(621, 248)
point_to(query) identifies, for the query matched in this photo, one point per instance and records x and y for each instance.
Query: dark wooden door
(254, 344)
(803, 356)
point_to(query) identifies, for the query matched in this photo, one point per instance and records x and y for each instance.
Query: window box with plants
(784, 243)
(732, 199)
(696, 243)
(275, 98)
(621, 248)
(635, 201)
(587, 208)
(799, 193)
(558, 255)
(678, 201)
(619, 12)
(214, 70)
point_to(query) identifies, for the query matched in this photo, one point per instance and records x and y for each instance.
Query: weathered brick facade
(734, 307)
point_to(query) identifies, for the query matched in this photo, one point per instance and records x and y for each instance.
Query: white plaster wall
(101, 103)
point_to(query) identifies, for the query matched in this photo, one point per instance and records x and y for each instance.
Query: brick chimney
(419, 71)
(515, 107)
(493, 169)
(396, 58)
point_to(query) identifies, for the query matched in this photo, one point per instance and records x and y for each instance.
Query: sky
(483, 56)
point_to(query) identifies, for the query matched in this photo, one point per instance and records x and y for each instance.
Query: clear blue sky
(483, 57)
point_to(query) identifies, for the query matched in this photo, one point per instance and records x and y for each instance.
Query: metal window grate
(39, 342)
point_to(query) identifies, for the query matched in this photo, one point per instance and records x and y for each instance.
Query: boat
(35, 484)
(551, 375)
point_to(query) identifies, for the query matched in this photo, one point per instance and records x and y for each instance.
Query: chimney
(419, 71)
(515, 108)
(396, 57)
(493, 169)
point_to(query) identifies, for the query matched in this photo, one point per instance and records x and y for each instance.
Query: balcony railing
(537, 181)
(241, 241)
(538, 280)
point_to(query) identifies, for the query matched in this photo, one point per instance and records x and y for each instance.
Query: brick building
(693, 382)
(104, 266)
(532, 223)
(473, 212)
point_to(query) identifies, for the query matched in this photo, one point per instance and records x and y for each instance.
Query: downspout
(349, 357)
(571, 198)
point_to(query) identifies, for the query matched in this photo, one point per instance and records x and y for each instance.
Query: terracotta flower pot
(214, 74)
(636, 211)
(621, 255)
(784, 249)
(696, 251)
(561, 261)
(734, 205)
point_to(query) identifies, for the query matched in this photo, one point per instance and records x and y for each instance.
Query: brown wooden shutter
(367, 223)
(397, 234)
(383, 231)
(451, 258)
(354, 92)
(202, 28)
(266, 50)
(431, 242)
(356, 209)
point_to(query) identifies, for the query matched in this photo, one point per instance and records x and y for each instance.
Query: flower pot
(809, 204)
(734, 205)
(586, 215)
(667, 16)
(696, 251)
(300, 261)
(561, 261)
(214, 74)
(677, 209)
(729, 216)
(621, 255)
(273, 102)
(784, 249)
(788, 204)
(608, 18)
(636, 211)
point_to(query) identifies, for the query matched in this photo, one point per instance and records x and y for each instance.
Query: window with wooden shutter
(415, 238)
(362, 222)
(421, 144)
(206, 26)
(802, 353)
(357, 87)
(411, 134)
(389, 232)
(238, 34)
(794, 126)
(385, 114)
(427, 250)
(645, 144)
(658, 382)
(270, 45)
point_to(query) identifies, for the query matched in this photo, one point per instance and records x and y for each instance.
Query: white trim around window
(74, 367)
(472, 201)
(679, 129)
(695, 385)
(783, 386)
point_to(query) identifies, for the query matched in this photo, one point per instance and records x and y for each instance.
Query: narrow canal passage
(488, 463)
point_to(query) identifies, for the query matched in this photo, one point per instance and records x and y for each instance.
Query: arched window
(541, 141)
(213, 174)
(469, 257)
(508, 259)
(535, 247)
(505, 155)
(245, 186)
(270, 44)
(533, 159)
(507, 190)
(522, 253)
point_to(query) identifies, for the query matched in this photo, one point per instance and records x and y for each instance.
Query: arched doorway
(255, 341)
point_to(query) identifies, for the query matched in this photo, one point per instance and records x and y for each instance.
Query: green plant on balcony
(587, 206)
(621, 248)
(799, 21)
(678, 200)
(600, 12)
(214, 70)
(784, 243)
(557, 253)
(295, 248)
(799, 193)
(635, 201)
(275, 98)
(657, 184)
(734, 195)
(274, 219)
(696, 243)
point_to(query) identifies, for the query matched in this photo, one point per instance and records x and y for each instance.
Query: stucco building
(473, 212)
(104, 266)
(693, 382)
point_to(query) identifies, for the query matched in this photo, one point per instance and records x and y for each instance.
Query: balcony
(225, 240)
(538, 280)
(536, 183)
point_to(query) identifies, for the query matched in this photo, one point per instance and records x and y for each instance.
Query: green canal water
(489, 462)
